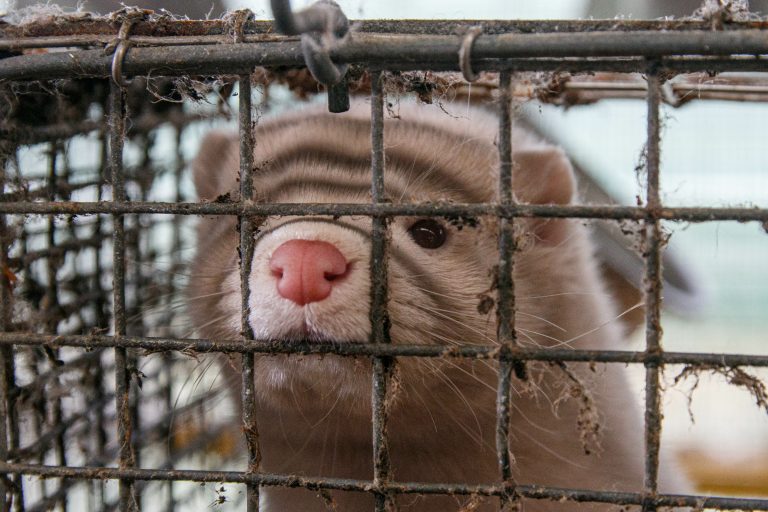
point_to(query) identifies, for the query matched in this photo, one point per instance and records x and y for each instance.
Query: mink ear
(544, 176)
(215, 168)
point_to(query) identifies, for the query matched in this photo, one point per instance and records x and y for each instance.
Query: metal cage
(64, 324)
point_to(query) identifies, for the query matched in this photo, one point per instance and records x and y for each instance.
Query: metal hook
(321, 26)
(322, 16)
(669, 95)
(121, 46)
(465, 53)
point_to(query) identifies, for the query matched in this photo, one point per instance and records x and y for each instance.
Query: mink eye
(428, 233)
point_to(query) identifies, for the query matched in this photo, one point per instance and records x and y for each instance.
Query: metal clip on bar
(321, 26)
(121, 45)
(465, 53)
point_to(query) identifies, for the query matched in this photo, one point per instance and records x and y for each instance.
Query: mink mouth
(303, 327)
(308, 333)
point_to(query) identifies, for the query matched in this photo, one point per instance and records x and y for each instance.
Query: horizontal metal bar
(589, 65)
(582, 44)
(62, 248)
(42, 443)
(73, 31)
(688, 214)
(590, 91)
(25, 134)
(294, 481)
(78, 244)
(62, 188)
(261, 36)
(682, 89)
(91, 40)
(426, 51)
(194, 346)
(40, 381)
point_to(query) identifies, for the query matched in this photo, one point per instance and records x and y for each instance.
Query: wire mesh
(67, 325)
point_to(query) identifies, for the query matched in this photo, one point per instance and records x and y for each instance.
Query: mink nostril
(276, 269)
(333, 276)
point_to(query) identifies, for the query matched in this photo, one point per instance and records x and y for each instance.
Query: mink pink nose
(306, 270)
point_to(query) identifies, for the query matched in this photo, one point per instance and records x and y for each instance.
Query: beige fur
(314, 412)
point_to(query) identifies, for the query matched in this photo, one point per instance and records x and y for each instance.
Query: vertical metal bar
(128, 498)
(6, 352)
(379, 316)
(7, 301)
(134, 309)
(37, 417)
(52, 312)
(37, 409)
(176, 264)
(14, 425)
(652, 285)
(81, 286)
(505, 310)
(51, 291)
(246, 226)
(98, 429)
(6, 356)
(80, 282)
(11, 487)
(167, 424)
(101, 317)
(97, 370)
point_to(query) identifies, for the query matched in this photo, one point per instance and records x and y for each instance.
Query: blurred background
(713, 154)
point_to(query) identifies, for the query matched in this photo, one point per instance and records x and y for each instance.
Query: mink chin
(310, 281)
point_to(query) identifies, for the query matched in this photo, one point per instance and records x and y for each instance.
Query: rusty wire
(507, 335)
(684, 214)
(652, 284)
(246, 226)
(383, 366)
(657, 49)
(365, 348)
(297, 481)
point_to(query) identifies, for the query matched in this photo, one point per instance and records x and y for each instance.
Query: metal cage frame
(658, 49)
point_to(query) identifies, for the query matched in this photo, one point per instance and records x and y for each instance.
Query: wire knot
(238, 20)
(322, 26)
